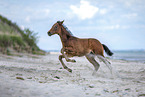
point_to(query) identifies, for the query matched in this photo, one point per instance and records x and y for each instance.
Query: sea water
(130, 55)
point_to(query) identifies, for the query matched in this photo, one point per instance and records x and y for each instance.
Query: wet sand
(43, 76)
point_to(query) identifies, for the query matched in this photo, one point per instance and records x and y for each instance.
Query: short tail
(107, 50)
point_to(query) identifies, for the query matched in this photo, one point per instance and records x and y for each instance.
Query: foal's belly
(77, 49)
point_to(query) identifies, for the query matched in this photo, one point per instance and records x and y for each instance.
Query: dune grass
(10, 40)
(12, 36)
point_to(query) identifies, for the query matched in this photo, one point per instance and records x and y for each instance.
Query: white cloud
(38, 13)
(101, 28)
(22, 27)
(110, 27)
(85, 10)
(27, 19)
(103, 11)
(131, 15)
(46, 11)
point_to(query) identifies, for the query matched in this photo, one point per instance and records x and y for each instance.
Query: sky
(120, 24)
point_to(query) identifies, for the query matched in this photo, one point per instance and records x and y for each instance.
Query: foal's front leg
(66, 57)
(64, 66)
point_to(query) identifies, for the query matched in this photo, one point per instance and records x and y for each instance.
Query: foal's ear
(60, 22)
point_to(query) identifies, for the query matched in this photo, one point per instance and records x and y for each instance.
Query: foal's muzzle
(49, 33)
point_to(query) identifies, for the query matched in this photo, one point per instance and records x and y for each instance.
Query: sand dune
(43, 76)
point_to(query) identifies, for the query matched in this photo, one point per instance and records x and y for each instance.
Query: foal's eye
(55, 27)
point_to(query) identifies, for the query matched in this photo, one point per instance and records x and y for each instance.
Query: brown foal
(73, 46)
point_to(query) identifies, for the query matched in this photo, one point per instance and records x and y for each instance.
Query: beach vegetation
(13, 37)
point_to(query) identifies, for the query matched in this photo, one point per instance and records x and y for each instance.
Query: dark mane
(67, 29)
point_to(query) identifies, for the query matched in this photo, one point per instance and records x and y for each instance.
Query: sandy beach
(28, 75)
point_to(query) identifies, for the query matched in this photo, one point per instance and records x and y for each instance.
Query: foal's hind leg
(93, 61)
(64, 66)
(108, 64)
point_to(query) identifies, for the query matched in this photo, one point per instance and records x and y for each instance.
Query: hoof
(70, 70)
(73, 60)
(69, 60)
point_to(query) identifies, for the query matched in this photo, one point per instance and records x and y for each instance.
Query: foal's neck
(64, 35)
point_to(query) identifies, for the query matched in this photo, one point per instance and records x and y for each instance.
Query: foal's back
(82, 47)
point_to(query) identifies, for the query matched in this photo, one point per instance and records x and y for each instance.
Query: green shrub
(5, 40)
(14, 36)
(30, 37)
(8, 40)
(18, 40)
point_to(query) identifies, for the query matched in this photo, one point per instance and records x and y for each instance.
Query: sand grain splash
(43, 76)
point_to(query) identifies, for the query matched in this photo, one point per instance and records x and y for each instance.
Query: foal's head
(56, 28)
